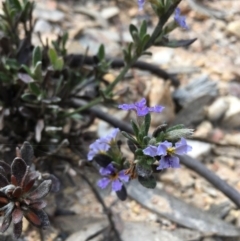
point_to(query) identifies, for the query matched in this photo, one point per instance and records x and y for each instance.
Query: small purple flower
(102, 144)
(141, 4)
(112, 175)
(168, 153)
(180, 20)
(141, 108)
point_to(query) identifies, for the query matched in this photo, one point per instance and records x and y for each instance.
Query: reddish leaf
(17, 215)
(3, 181)
(3, 199)
(14, 180)
(41, 191)
(17, 192)
(17, 229)
(28, 186)
(19, 169)
(30, 176)
(37, 217)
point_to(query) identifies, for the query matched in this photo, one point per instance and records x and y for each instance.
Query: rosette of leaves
(21, 193)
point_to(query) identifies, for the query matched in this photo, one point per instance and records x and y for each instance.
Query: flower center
(114, 176)
(171, 151)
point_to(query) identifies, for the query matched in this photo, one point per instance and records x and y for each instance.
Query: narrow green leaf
(135, 128)
(143, 29)
(147, 123)
(101, 52)
(52, 54)
(131, 138)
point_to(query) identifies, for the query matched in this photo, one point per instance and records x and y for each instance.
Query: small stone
(217, 109)
(203, 130)
(54, 16)
(199, 148)
(109, 12)
(42, 26)
(234, 28)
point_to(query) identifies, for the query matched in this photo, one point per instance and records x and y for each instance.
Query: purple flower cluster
(168, 153)
(141, 108)
(102, 144)
(111, 175)
(180, 20)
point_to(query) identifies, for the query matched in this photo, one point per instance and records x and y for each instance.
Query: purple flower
(181, 20)
(168, 153)
(141, 108)
(102, 144)
(141, 4)
(112, 175)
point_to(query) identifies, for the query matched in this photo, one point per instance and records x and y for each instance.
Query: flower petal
(168, 162)
(122, 176)
(103, 183)
(126, 106)
(162, 148)
(182, 147)
(141, 4)
(156, 109)
(150, 151)
(116, 185)
(107, 170)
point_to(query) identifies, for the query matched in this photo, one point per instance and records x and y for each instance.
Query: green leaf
(52, 54)
(145, 40)
(135, 128)
(143, 29)
(27, 69)
(37, 56)
(29, 97)
(64, 39)
(101, 52)
(59, 64)
(148, 182)
(37, 72)
(34, 88)
(175, 43)
(134, 32)
(16, 4)
(147, 123)
(176, 127)
(131, 138)
(144, 170)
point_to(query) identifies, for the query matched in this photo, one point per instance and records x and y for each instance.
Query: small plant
(152, 153)
(22, 191)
